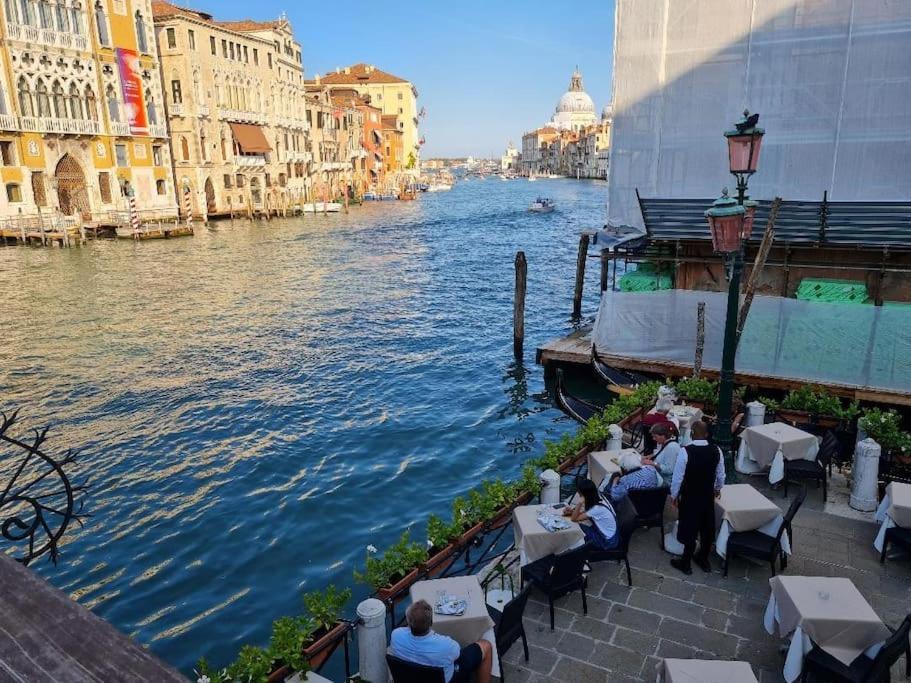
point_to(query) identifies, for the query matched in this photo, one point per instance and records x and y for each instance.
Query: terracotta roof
(162, 9)
(166, 9)
(249, 25)
(360, 73)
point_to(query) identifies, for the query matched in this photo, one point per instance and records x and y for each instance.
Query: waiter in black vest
(697, 481)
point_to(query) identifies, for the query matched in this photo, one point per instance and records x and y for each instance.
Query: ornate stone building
(81, 118)
(575, 110)
(236, 105)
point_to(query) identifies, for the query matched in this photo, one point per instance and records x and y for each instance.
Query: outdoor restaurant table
(704, 671)
(468, 627)
(685, 416)
(828, 611)
(601, 464)
(893, 510)
(742, 508)
(769, 445)
(534, 541)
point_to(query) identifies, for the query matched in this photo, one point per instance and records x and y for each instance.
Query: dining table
(684, 416)
(602, 464)
(704, 671)
(740, 508)
(894, 510)
(535, 541)
(767, 446)
(826, 611)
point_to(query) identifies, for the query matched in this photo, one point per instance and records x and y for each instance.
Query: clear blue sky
(486, 71)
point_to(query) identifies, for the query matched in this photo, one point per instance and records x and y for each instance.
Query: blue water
(259, 402)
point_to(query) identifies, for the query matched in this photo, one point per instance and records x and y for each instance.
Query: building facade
(81, 118)
(393, 95)
(235, 105)
(509, 161)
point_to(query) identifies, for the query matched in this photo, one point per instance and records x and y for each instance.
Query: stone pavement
(666, 614)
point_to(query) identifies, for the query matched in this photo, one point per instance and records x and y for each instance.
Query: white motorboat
(439, 187)
(322, 207)
(542, 205)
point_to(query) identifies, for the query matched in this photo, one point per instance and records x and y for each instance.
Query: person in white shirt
(602, 533)
(666, 452)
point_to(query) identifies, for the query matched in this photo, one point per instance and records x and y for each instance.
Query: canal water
(259, 402)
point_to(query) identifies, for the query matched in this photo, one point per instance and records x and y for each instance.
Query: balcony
(299, 157)
(202, 109)
(158, 130)
(240, 116)
(8, 122)
(120, 128)
(47, 37)
(176, 109)
(44, 124)
(249, 160)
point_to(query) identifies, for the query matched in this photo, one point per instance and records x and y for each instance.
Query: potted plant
(289, 637)
(253, 664)
(798, 405)
(826, 409)
(397, 569)
(466, 518)
(698, 392)
(884, 427)
(441, 538)
(322, 610)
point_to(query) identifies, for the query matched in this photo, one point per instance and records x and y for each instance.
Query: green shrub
(399, 559)
(325, 607)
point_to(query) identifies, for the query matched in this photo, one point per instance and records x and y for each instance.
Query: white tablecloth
(882, 515)
(740, 507)
(789, 443)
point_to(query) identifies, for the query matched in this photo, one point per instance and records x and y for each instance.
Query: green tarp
(644, 281)
(832, 291)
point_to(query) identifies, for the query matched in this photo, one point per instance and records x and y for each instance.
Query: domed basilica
(575, 110)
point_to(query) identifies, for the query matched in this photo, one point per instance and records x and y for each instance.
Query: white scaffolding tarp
(831, 80)
(852, 345)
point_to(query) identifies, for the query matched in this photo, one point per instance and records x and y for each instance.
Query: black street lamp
(731, 222)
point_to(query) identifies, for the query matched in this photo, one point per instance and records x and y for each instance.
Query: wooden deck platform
(575, 348)
(45, 636)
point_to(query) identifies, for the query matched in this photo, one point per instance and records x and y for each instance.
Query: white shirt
(667, 458)
(680, 469)
(604, 519)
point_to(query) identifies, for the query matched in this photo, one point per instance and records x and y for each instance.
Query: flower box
(396, 591)
(323, 644)
(828, 421)
(439, 561)
(469, 535)
(574, 459)
(793, 417)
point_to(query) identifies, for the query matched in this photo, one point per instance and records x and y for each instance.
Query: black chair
(820, 665)
(897, 535)
(404, 671)
(757, 545)
(813, 470)
(626, 525)
(637, 435)
(507, 626)
(558, 575)
(649, 504)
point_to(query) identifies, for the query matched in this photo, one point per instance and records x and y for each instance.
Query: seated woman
(634, 474)
(666, 452)
(602, 533)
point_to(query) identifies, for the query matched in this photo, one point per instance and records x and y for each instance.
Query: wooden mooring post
(518, 310)
(580, 275)
(700, 338)
(605, 254)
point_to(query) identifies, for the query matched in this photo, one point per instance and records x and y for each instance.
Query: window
(176, 95)
(104, 184)
(401, 111)
(224, 49)
(309, 118)
(156, 155)
(120, 153)
(76, 18)
(25, 98)
(141, 40)
(44, 14)
(202, 146)
(269, 55)
(400, 95)
(240, 180)
(44, 104)
(7, 153)
(113, 105)
(59, 100)
(160, 187)
(191, 39)
(212, 45)
(102, 23)
(224, 148)
(246, 55)
(256, 56)
(38, 191)
(171, 38)
(75, 102)
(151, 108)
(231, 50)
(63, 18)
(268, 180)
(184, 149)
(379, 96)
(13, 192)
(227, 180)
(91, 106)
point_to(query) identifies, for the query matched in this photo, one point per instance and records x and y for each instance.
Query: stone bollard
(371, 641)
(615, 442)
(866, 475)
(550, 487)
(755, 414)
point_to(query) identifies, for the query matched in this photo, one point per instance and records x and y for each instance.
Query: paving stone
(676, 588)
(593, 628)
(649, 669)
(714, 619)
(647, 580)
(514, 674)
(574, 671)
(636, 619)
(539, 660)
(618, 659)
(664, 605)
(633, 640)
(576, 646)
(714, 598)
(669, 649)
(747, 627)
(716, 642)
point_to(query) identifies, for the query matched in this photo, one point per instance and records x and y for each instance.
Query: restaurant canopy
(850, 345)
(250, 138)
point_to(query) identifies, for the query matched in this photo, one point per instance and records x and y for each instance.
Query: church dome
(575, 101)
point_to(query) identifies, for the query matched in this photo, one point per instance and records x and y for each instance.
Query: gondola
(576, 408)
(618, 381)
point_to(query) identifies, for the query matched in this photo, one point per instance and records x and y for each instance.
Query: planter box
(467, 536)
(439, 562)
(828, 421)
(316, 654)
(396, 591)
(793, 417)
(574, 459)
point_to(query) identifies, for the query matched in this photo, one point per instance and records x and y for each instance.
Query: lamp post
(730, 223)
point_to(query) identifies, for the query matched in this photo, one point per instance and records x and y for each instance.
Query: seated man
(419, 644)
(633, 475)
(659, 416)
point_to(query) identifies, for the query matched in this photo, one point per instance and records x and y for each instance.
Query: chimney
(347, 70)
(316, 78)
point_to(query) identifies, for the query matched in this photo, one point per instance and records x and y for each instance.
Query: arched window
(113, 105)
(102, 23)
(184, 149)
(202, 146)
(26, 106)
(76, 18)
(44, 14)
(44, 104)
(197, 90)
(25, 12)
(91, 104)
(11, 14)
(224, 147)
(75, 102)
(141, 32)
(151, 110)
(62, 17)
(59, 100)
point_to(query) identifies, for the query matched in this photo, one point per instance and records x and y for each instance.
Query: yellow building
(394, 95)
(81, 117)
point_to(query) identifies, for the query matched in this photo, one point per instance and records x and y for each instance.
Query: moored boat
(542, 205)
(322, 207)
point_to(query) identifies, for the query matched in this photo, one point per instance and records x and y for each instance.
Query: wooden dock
(575, 348)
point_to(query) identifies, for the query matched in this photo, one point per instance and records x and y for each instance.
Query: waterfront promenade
(666, 614)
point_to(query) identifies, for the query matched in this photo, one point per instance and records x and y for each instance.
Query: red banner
(131, 88)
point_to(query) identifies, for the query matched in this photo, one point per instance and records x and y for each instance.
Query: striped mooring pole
(187, 204)
(134, 216)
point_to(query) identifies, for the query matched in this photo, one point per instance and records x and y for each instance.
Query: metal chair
(558, 575)
(508, 627)
(822, 666)
(813, 470)
(649, 504)
(757, 545)
(404, 671)
(626, 525)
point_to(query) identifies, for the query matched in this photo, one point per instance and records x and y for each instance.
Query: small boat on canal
(322, 207)
(578, 409)
(542, 205)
